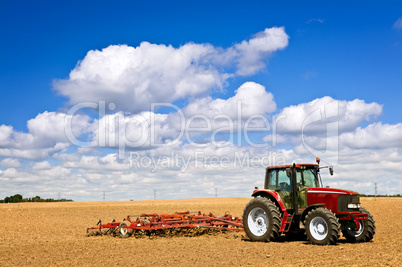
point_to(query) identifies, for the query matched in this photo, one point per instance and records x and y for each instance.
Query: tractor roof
(298, 165)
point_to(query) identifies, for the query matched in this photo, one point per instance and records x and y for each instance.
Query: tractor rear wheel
(322, 227)
(261, 220)
(364, 232)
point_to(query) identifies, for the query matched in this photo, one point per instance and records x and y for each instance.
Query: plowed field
(43, 234)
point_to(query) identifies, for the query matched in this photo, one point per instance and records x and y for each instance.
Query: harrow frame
(179, 220)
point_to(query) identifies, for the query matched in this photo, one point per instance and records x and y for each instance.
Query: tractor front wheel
(364, 231)
(322, 227)
(261, 220)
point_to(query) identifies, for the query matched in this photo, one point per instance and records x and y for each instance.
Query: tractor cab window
(283, 181)
(279, 180)
(306, 178)
(272, 180)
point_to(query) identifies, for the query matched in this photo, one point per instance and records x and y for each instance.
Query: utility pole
(375, 189)
(59, 196)
(154, 194)
(104, 195)
(216, 192)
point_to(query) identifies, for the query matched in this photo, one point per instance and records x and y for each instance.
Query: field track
(43, 234)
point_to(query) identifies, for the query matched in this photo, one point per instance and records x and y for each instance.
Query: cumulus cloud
(46, 135)
(50, 127)
(10, 163)
(398, 23)
(43, 165)
(250, 97)
(257, 48)
(52, 132)
(201, 116)
(106, 163)
(135, 77)
(313, 117)
(140, 130)
(375, 136)
(5, 134)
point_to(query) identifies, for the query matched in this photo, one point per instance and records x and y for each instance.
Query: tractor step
(286, 222)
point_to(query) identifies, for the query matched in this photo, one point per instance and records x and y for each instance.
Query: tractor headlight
(353, 206)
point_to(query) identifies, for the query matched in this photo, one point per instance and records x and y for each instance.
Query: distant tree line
(18, 198)
(395, 195)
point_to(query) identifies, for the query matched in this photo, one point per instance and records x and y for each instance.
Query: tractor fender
(272, 195)
(307, 210)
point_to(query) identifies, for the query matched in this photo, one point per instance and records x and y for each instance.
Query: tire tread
(333, 226)
(369, 230)
(276, 218)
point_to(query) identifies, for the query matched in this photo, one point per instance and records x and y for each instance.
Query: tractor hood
(320, 190)
(330, 197)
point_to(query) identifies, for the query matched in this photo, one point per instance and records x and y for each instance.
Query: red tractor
(293, 202)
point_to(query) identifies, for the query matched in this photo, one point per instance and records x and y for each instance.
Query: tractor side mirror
(331, 170)
(289, 172)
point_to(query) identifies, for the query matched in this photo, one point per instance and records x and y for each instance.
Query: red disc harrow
(163, 224)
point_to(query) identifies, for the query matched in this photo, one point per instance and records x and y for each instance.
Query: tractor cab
(291, 183)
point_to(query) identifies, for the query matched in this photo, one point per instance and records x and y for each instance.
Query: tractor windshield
(307, 178)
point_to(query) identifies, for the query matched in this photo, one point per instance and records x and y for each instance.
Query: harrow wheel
(124, 232)
(364, 231)
(261, 220)
(322, 227)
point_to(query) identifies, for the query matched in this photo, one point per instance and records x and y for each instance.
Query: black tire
(322, 227)
(124, 232)
(365, 231)
(261, 220)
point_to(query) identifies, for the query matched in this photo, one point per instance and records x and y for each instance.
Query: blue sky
(343, 50)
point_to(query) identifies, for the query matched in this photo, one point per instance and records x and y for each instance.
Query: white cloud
(252, 52)
(135, 77)
(313, 117)
(10, 163)
(5, 135)
(398, 23)
(106, 163)
(251, 97)
(374, 136)
(46, 135)
(33, 152)
(202, 116)
(43, 165)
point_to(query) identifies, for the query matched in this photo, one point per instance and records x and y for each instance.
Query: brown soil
(43, 234)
